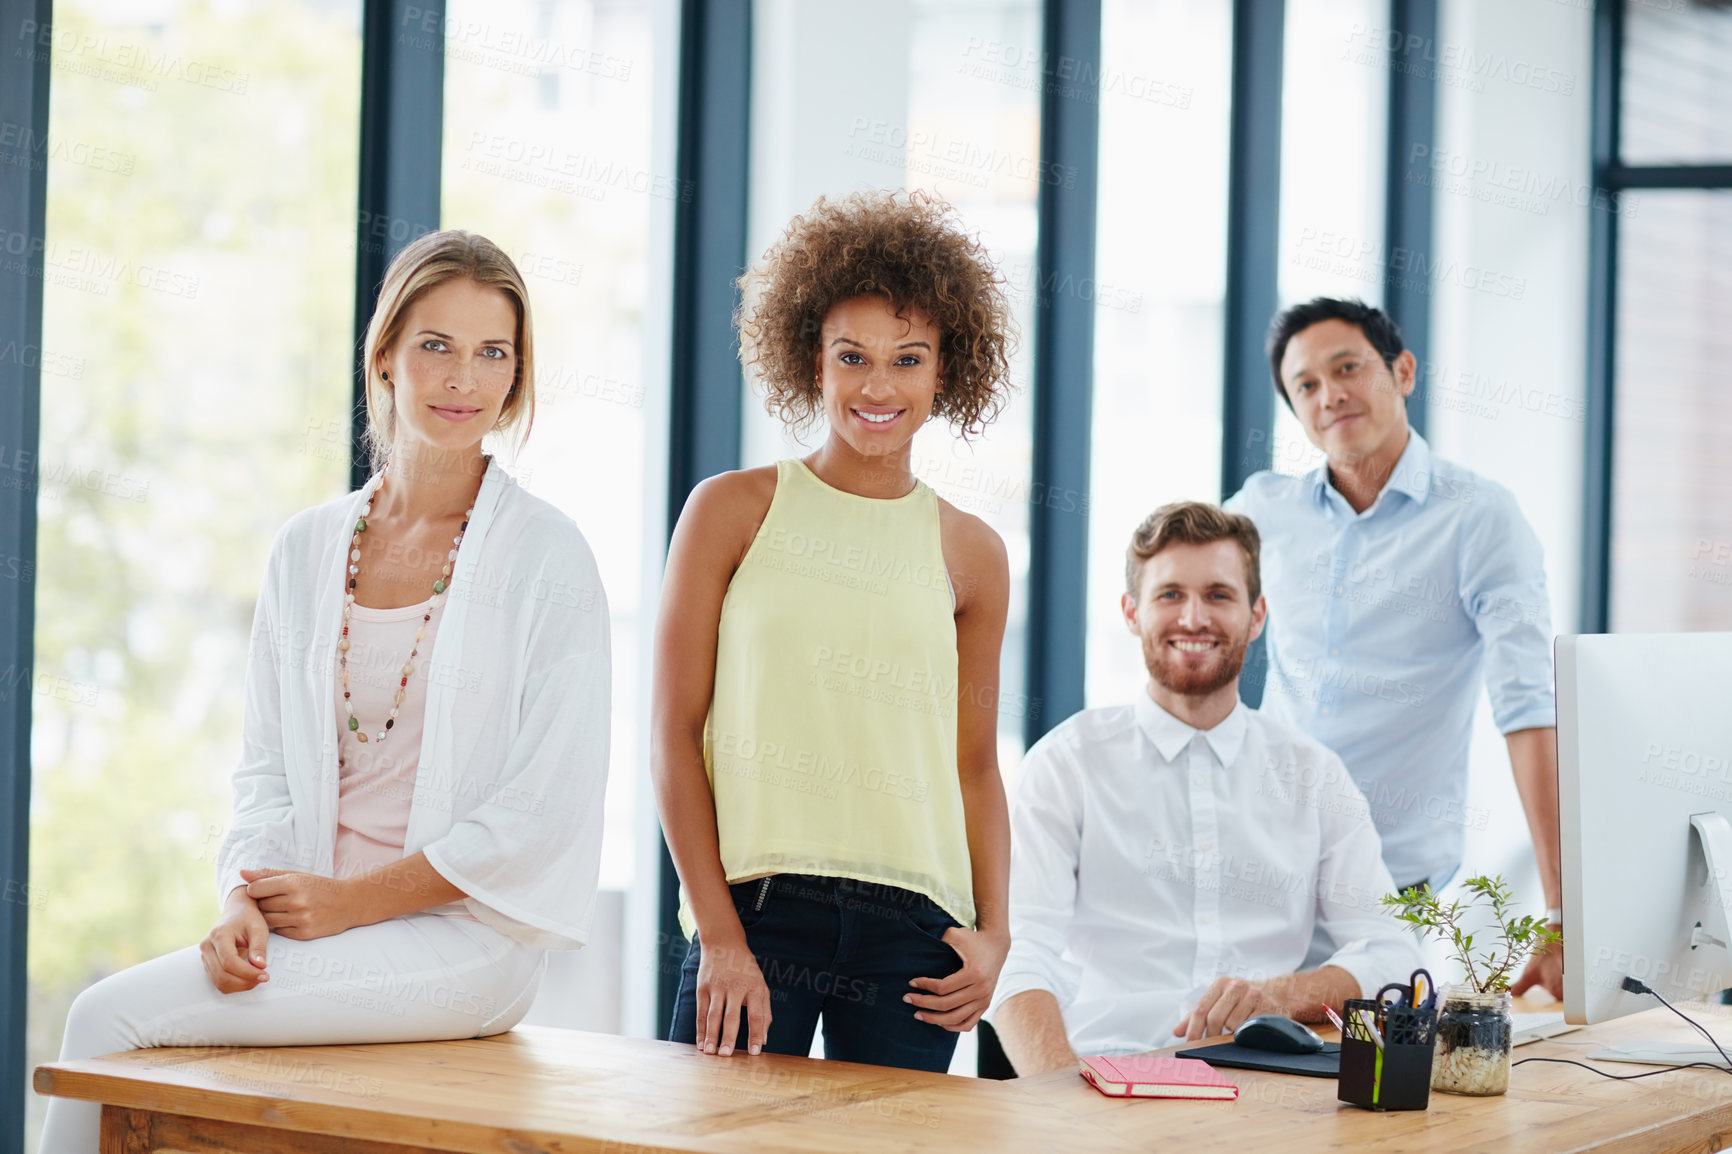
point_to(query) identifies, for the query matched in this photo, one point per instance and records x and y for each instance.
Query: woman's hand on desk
(956, 1002)
(233, 952)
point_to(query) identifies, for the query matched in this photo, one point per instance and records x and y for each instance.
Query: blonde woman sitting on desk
(418, 803)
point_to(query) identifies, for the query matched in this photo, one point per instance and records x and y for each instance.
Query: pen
(1371, 1026)
(1335, 1020)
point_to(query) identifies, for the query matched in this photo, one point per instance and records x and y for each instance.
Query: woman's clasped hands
(296, 905)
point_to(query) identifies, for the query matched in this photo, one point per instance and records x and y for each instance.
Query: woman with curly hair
(826, 672)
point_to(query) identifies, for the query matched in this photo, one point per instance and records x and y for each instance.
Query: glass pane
(951, 104)
(548, 131)
(1160, 262)
(1334, 97)
(197, 340)
(1677, 83)
(1672, 477)
(1334, 94)
(1507, 346)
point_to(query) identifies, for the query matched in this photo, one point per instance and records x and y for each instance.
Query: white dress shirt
(513, 759)
(1149, 858)
(1381, 625)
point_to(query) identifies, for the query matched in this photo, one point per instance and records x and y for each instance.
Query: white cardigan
(514, 754)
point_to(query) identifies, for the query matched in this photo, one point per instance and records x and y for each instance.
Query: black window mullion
(709, 256)
(1063, 363)
(1253, 262)
(402, 126)
(23, 224)
(1618, 177)
(1612, 178)
(1253, 239)
(1608, 53)
(1407, 228)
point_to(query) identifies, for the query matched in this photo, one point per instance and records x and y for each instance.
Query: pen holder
(1396, 1075)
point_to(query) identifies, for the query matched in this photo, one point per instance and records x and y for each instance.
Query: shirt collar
(1411, 476)
(1170, 736)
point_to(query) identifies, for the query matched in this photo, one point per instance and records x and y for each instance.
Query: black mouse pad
(1325, 1063)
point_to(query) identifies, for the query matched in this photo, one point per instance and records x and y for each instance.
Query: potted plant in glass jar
(1473, 1021)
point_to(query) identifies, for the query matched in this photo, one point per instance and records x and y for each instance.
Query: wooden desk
(538, 1089)
(1549, 1107)
(562, 1091)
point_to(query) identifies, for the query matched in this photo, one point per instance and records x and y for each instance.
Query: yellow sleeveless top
(831, 739)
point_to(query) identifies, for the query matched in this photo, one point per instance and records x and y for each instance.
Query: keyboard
(1525, 1028)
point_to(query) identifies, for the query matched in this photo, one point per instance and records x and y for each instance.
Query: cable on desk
(1636, 987)
(1627, 1077)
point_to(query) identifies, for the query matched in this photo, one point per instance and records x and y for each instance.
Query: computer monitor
(1645, 791)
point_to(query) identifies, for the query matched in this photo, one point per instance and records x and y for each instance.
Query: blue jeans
(843, 950)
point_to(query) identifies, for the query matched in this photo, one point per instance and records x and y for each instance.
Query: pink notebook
(1146, 1076)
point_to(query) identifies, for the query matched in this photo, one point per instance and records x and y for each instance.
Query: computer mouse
(1278, 1034)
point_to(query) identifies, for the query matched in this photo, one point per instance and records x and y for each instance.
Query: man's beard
(1166, 666)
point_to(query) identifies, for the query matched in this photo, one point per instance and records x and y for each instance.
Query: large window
(1671, 515)
(1677, 83)
(195, 389)
(549, 135)
(1672, 479)
(1160, 267)
(198, 340)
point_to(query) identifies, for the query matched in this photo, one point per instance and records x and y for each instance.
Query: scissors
(1409, 997)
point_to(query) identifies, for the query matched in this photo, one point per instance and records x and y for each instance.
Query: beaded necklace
(439, 587)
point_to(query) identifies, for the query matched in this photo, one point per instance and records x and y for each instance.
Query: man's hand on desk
(1227, 1002)
(1545, 970)
(1224, 1005)
(1031, 1029)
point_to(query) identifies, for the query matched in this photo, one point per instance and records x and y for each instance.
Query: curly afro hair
(911, 250)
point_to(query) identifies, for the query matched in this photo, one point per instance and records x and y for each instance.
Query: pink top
(376, 779)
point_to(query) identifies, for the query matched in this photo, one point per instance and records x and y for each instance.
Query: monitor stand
(1715, 835)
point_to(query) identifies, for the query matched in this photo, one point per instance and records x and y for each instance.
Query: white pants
(419, 978)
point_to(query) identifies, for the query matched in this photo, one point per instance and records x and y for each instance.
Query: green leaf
(1518, 938)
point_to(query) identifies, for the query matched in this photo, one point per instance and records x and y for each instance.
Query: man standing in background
(1396, 583)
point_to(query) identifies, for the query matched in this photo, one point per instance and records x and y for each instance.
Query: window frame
(1612, 178)
(23, 212)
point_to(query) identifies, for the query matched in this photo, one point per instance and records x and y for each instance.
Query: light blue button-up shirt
(1381, 624)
